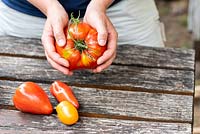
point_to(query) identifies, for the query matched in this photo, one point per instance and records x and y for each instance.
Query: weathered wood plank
(150, 79)
(17, 122)
(155, 57)
(21, 46)
(126, 54)
(153, 106)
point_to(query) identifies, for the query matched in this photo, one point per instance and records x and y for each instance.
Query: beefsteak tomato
(81, 49)
(63, 92)
(29, 97)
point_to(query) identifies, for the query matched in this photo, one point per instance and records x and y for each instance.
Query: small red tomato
(29, 97)
(67, 113)
(63, 92)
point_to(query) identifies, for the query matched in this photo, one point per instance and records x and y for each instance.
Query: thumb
(59, 35)
(102, 34)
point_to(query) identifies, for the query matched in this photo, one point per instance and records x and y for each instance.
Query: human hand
(57, 20)
(96, 17)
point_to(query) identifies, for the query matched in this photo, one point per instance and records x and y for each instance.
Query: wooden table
(145, 90)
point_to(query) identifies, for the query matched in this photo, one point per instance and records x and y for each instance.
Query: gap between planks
(119, 117)
(135, 65)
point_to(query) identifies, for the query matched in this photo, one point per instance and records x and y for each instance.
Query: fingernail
(65, 63)
(102, 42)
(99, 62)
(99, 69)
(61, 42)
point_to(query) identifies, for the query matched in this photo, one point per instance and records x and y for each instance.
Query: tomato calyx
(80, 45)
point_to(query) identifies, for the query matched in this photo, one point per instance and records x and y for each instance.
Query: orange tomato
(67, 113)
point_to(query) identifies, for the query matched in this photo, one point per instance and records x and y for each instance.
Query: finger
(111, 49)
(58, 31)
(111, 44)
(58, 67)
(106, 56)
(102, 33)
(48, 43)
(105, 65)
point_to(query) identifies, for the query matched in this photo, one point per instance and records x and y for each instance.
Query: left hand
(96, 17)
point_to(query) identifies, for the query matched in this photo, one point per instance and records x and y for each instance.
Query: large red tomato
(30, 97)
(82, 49)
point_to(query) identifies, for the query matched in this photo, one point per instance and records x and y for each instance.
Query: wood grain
(17, 122)
(153, 106)
(128, 77)
(21, 46)
(126, 54)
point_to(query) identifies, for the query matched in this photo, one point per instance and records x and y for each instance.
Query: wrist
(53, 7)
(43, 6)
(100, 5)
(56, 10)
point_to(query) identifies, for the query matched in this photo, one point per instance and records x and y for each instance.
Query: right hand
(57, 20)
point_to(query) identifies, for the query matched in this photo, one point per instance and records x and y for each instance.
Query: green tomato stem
(75, 20)
(79, 44)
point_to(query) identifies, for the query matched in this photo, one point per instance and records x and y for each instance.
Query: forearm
(43, 5)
